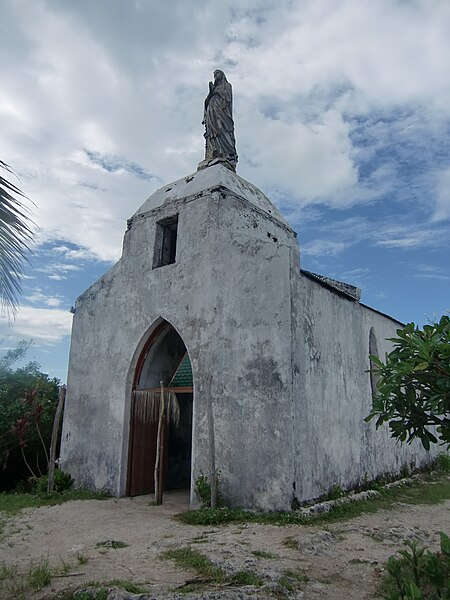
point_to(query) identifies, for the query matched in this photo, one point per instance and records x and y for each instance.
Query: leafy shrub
(63, 481)
(28, 400)
(419, 574)
(443, 462)
(413, 391)
(335, 492)
(203, 490)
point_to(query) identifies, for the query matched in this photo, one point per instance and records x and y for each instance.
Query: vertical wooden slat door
(143, 456)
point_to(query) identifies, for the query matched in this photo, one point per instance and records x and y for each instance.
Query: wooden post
(159, 448)
(54, 442)
(212, 444)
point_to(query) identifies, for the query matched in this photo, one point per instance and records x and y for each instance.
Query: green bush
(62, 482)
(413, 390)
(203, 490)
(419, 574)
(443, 462)
(28, 400)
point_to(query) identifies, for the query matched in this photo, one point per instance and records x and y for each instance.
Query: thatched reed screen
(147, 404)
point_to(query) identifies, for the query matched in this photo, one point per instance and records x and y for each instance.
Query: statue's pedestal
(216, 161)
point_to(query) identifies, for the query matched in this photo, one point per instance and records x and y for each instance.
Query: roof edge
(350, 291)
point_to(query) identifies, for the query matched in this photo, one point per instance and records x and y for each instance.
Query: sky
(342, 118)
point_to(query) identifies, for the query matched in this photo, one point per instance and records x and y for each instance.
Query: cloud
(112, 164)
(37, 297)
(73, 254)
(43, 326)
(332, 237)
(56, 277)
(442, 209)
(64, 267)
(431, 272)
(334, 103)
(324, 247)
(411, 237)
(311, 162)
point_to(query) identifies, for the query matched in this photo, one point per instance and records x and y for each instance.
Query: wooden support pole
(54, 442)
(159, 449)
(212, 444)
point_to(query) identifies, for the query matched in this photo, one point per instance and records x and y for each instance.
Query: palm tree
(15, 237)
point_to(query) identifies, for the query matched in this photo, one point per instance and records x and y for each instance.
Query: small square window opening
(165, 242)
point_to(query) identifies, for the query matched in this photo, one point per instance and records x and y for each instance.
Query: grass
(300, 577)
(101, 593)
(82, 558)
(244, 578)
(291, 543)
(127, 585)
(291, 580)
(39, 575)
(429, 489)
(65, 566)
(262, 554)
(191, 559)
(98, 591)
(12, 503)
(7, 571)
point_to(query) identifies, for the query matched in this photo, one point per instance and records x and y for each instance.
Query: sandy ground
(341, 560)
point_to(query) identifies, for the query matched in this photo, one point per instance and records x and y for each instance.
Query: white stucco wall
(288, 357)
(332, 394)
(228, 296)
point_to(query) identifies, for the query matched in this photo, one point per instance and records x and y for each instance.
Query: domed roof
(209, 179)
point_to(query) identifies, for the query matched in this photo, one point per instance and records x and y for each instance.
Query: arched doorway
(164, 358)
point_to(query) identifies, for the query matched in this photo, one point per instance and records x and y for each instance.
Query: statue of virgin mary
(219, 125)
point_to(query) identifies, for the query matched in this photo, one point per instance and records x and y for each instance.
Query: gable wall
(228, 296)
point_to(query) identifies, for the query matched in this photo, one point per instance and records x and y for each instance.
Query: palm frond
(15, 237)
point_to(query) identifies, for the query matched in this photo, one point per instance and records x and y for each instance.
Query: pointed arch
(158, 358)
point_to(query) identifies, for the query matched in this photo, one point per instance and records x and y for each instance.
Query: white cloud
(308, 161)
(335, 237)
(57, 277)
(405, 237)
(442, 210)
(432, 272)
(42, 325)
(38, 297)
(126, 82)
(324, 247)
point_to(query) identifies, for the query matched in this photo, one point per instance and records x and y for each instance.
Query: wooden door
(143, 456)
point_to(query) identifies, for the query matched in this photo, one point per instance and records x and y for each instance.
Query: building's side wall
(332, 394)
(228, 297)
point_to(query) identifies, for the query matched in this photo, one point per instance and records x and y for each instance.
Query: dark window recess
(165, 242)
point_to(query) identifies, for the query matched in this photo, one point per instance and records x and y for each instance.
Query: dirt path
(341, 560)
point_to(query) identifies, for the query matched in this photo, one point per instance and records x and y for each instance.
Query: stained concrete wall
(332, 394)
(228, 296)
(288, 356)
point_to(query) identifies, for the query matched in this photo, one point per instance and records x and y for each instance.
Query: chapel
(269, 362)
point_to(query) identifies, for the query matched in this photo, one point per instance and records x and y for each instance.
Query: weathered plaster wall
(288, 357)
(332, 394)
(228, 296)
